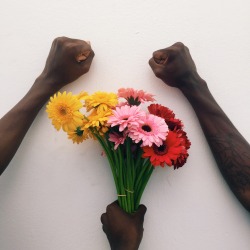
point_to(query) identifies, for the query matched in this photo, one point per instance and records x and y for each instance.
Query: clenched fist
(68, 59)
(174, 65)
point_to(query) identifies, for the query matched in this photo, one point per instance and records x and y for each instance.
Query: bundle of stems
(130, 171)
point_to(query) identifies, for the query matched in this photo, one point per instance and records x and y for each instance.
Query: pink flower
(153, 129)
(126, 116)
(117, 138)
(120, 104)
(135, 97)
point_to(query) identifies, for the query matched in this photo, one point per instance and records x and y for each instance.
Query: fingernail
(165, 61)
(157, 60)
(83, 56)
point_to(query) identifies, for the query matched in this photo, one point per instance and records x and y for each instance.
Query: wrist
(39, 93)
(191, 81)
(193, 85)
(127, 245)
(45, 84)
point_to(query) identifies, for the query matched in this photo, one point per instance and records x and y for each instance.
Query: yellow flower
(98, 121)
(63, 109)
(102, 101)
(82, 95)
(78, 135)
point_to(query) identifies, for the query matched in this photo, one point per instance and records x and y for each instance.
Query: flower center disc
(162, 150)
(63, 111)
(146, 128)
(79, 132)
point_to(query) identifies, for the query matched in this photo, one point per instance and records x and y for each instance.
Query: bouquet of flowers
(135, 141)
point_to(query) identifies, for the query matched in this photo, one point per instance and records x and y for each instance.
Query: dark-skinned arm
(175, 66)
(124, 231)
(68, 59)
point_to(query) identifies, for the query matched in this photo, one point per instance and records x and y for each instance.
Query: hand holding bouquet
(135, 141)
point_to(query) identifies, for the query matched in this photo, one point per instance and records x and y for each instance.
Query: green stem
(144, 182)
(141, 172)
(108, 152)
(128, 174)
(131, 173)
(139, 159)
(121, 179)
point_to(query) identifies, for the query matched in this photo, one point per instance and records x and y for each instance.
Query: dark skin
(175, 67)
(68, 59)
(71, 58)
(124, 231)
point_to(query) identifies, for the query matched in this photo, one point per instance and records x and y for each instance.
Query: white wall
(53, 193)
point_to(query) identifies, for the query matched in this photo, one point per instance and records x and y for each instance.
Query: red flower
(171, 149)
(159, 110)
(167, 114)
(174, 123)
(181, 160)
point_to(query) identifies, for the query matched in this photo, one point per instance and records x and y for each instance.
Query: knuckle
(150, 60)
(86, 70)
(109, 208)
(57, 39)
(143, 208)
(60, 40)
(156, 53)
(180, 45)
(86, 45)
(103, 218)
(159, 53)
(158, 72)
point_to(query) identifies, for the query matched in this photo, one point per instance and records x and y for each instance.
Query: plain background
(53, 193)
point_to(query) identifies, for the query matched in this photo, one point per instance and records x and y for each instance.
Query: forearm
(125, 248)
(15, 124)
(68, 59)
(230, 149)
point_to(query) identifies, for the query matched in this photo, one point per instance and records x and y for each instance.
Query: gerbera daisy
(101, 101)
(181, 160)
(82, 95)
(126, 116)
(78, 135)
(167, 153)
(167, 114)
(98, 121)
(161, 111)
(135, 97)
(117, 138)
(174, 123)
(151, 129)
(63, 109)
(185, 141)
